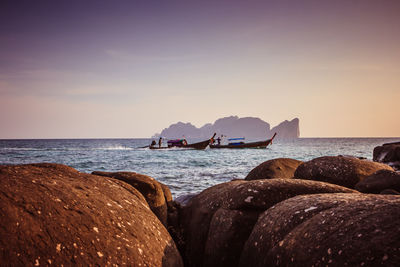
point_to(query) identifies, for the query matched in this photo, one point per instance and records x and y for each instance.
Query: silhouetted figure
(153, 143)
(160, 142)
(219, 140)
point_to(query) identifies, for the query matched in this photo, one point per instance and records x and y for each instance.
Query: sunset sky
(122, 69)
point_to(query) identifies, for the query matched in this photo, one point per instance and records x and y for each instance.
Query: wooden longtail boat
(182, 144)
(259, 144)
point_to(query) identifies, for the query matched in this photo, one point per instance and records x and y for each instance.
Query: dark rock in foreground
(156, 194)
(52, 214)
(379, 181)
(218, 221)
(327, 230)
(274, 168)
(390, 192)
(340, 170)
(183, 200)
(388, 153)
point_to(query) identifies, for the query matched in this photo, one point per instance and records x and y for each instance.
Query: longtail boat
(259, 144)
(181, 143)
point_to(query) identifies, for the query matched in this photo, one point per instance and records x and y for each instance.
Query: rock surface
(327, 229)
(217, 222)
(340, 170)
(157, 195)
(388, 153)
(52, 214)
(183, 200)
(379, 181)
(390, 192)
(274, 168)
(287, 129)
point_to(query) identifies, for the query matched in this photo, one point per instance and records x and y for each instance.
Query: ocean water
(183, 170)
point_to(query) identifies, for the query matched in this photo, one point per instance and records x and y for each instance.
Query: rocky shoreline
(331, 211)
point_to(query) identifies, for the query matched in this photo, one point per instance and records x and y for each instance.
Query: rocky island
(233, 126)
(329, 211)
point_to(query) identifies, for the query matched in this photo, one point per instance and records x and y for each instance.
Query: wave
(65, 148)
(22, 148)
(114, 148)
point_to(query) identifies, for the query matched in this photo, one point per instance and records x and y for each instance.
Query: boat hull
(259, 144)
(199, 145)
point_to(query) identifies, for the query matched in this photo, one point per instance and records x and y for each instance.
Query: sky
(128, 69)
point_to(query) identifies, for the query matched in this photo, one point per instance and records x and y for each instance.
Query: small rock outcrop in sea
(327, 230)
(51, 214)
(217, 222)
(341, 170)
(156, 194)
(379, 181)
(274, 168)
(388, 153)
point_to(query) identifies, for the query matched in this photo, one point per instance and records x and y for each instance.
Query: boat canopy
(236, 139)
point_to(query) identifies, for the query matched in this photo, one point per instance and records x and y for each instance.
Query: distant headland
(233, 126)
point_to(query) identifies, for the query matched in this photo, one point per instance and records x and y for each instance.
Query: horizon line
(302, 137)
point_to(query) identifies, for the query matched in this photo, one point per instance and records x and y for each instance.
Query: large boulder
(217, 222)
(388, 153)
(196, 217)
(51, 214)
(379, 181)
(156, 194)
(183, 200)
(390, 192)
(341, 170)
(274, 168)
(327, 229)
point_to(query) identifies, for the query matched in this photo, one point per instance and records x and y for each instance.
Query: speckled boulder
(388, 153)
(390, 192)
(156, 194)
(195, 220)
(51, 214)
(183, 200)
(274, 168)
(218, 221)
(379, 181)
(340, 170)
(327, 230)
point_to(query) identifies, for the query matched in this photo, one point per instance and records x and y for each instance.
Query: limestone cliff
(249, 127)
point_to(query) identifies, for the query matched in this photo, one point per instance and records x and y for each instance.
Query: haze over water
(184, 171)
(127, 69)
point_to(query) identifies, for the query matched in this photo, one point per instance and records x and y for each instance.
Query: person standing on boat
(219, 140)
(184, 142)
(160, 142)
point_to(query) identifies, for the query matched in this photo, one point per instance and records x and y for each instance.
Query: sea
(185, 171)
